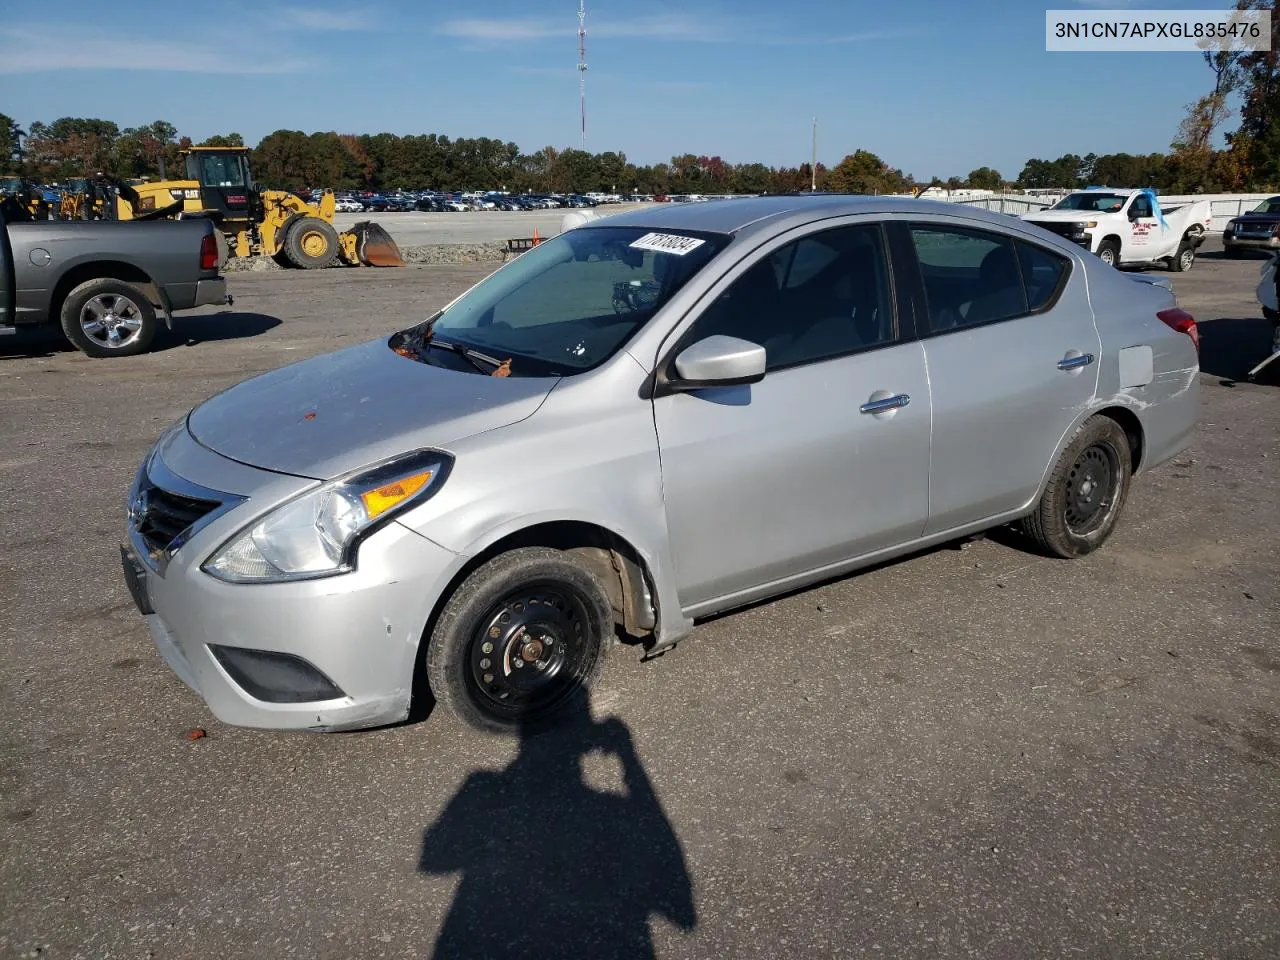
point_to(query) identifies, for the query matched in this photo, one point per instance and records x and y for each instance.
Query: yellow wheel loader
(274, 223)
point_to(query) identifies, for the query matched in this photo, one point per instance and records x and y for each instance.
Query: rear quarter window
(1043, 273)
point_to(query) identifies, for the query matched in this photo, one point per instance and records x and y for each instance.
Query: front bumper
(360, 630)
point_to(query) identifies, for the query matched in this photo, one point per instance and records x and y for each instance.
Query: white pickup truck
(1129, 227)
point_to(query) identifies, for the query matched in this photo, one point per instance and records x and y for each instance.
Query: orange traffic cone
(536, 239)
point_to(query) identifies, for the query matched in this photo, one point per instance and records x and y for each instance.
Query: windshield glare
(571, 302)
(1097, 202)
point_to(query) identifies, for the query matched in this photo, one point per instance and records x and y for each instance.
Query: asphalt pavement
(974, 752)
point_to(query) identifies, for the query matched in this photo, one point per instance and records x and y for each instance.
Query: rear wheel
(1109, 253)
(1081, 503)
(1183, 260)
(310, 243)
(108, 318)
(519, 640)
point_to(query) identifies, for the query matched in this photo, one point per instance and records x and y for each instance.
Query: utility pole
(813, 163)
(582, 68)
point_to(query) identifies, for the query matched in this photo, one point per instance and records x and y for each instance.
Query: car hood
(324, 417)
(1258, 219)
(1069, 215)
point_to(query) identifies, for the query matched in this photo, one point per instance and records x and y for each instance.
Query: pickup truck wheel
(108, 318)
(310, 243)
(1183, 260)
(1087, 487)
(1109, 252)
(519, 640)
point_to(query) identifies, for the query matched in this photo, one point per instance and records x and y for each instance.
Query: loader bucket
(374, 246)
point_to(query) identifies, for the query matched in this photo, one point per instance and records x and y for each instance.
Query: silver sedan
(648, 419)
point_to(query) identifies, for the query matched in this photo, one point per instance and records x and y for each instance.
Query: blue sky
(933, 87)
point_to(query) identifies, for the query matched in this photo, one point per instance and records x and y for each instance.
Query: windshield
(571, 302)
(221, 171)
(1096, 202)
(1268, 206)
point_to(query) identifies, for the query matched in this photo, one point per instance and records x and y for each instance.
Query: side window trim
(924, 329)
(681, 332)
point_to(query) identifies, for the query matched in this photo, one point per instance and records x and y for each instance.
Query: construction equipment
(22, 200)
(255, 221)
(82, 199)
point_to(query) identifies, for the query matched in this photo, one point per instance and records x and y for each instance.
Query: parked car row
(433, 201)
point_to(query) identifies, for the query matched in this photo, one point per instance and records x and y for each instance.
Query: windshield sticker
(667, 243)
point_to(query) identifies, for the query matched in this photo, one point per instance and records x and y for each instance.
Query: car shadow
(553, 865)
(1232, 346)
(188, 331)
(191, 331)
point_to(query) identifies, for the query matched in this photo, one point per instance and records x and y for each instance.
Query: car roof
(735, 216)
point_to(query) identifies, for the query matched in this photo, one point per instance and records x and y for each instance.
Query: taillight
(208, 253)
(1178, 319)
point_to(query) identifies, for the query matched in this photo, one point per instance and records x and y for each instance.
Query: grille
(165, 515)
(1060, 227)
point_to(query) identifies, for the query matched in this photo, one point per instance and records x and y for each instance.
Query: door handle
(887, 403)
(1073, 363)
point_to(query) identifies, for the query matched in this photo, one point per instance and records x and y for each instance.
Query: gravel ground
(971, 753)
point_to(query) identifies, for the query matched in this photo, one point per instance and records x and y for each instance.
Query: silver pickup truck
(106, 283)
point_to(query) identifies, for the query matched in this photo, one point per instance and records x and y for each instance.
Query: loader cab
(226, 186)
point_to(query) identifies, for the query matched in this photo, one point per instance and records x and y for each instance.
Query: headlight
(1091, 224)
(316, 534)
(1231, 225)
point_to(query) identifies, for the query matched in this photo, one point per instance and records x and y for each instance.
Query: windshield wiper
(473, 357)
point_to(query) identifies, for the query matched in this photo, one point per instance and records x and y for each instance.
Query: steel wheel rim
(1108, 257)
(531, 650)
(314, 243)
(1091, 489)
(111, 320)
(1188, 258)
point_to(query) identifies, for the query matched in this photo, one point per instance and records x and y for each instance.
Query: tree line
(72, 147)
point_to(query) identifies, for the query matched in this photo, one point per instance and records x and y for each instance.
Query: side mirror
(718, 361)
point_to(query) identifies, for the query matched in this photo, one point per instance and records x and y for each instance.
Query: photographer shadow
(551, 865)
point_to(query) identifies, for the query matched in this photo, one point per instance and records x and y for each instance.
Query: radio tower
(582, 68)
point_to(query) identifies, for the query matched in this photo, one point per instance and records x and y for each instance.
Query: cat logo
(185, 194)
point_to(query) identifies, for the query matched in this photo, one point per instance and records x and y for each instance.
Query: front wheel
(1081, 502)
(310, 243)
(519, 640)
(1109, 253)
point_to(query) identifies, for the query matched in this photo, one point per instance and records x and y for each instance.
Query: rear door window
(970, 277)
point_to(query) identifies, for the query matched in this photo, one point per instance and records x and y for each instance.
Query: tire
(310, 243)
(1109, 252)
(570, 627)
(1184, 259)
(108, 318)
(1063, 524)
